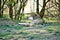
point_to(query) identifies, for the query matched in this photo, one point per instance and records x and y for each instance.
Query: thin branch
(47, 1)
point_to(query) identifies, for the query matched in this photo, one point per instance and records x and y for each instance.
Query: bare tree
(0, 10)
(10, 9)
(21, 8)
(43, 8)
(3, 3)
(37, 9)
(59, 8)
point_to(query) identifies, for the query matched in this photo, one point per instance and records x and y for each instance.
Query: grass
(9, 27)
(4, 34)
(26, 33)
(53, 27)
(6, 30)
(5, 16)
(17, 27)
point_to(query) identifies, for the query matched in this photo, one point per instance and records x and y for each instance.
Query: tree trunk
(3, 6)
(0, 10)
(37, 9)
(21, 16)
(11, 11)
(59, 8)
(15, 10)
(42, 10)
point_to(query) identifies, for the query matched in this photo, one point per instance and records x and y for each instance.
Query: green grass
(8, 30)
(24, 32)
(4, 34)
(17, 27)
(5, 16)
(53, 27)
(9, 27)
(50, 27)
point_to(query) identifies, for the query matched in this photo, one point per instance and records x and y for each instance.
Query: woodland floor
(10, 30)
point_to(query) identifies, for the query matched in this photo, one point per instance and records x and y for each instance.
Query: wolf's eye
(35, 15)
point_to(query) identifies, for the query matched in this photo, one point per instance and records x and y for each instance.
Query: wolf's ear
(35, 14)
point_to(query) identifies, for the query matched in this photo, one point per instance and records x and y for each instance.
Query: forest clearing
(29, 19)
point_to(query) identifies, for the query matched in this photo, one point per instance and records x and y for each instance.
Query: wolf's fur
(36, 21)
